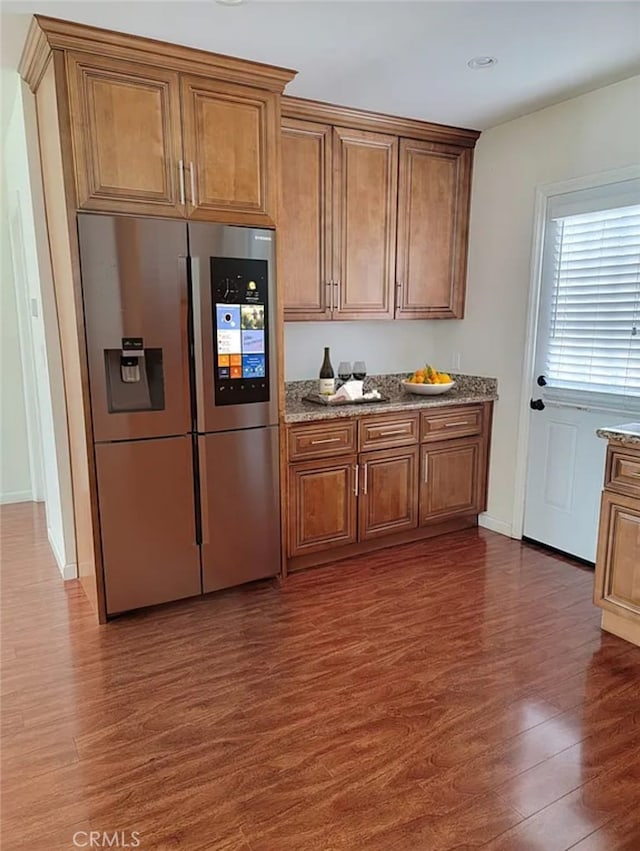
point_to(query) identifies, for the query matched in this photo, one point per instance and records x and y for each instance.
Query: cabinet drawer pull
(392, 432)
(634, 474)
(356, 476)
(426, 468)
(460, 423)
(364, 485)
(326, 440)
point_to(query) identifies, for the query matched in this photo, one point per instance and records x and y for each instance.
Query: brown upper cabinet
(158, 129)
(230, 136)
(433, 216)
(337, 221)
(364, 224)
(391, 213)
(305, 220)
(125, 126)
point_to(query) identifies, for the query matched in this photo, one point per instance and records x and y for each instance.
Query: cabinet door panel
(304, 226)
(450, 479)
(229, 143)
(617, 578)
(322, 505)
(388, 500)
(433, 214)
(125, 121)
(364, 232)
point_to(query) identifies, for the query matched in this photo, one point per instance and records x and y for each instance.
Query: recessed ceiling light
(482, 62)
(229, 2)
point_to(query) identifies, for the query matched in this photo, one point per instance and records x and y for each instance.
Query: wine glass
(359, 370)
(344, 371)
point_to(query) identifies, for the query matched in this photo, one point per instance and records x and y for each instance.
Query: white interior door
(587, 360)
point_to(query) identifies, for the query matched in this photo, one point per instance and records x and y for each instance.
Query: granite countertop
(468, 389)
(626, 433)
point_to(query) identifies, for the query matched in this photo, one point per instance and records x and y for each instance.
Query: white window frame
(599, 197)
(581, 399)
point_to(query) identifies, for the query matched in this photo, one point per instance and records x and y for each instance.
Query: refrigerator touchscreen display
(241, 338)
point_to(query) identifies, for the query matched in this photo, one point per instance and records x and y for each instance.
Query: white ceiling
(405, 58)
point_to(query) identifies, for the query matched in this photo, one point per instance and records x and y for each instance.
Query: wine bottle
(327, 384)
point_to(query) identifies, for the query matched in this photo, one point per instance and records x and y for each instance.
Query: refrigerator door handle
(198, 357)
(204, 492)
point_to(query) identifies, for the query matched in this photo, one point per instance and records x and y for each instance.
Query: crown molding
(361, 119)
(52, 33)
(35, 56)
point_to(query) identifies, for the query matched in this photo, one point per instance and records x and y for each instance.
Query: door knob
(536, 405)
(541, 381)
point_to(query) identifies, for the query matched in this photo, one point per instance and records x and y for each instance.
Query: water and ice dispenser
(135, 377)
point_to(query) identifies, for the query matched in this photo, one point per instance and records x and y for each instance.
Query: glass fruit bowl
(427, 389)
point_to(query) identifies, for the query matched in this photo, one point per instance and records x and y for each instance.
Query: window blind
(594, 318)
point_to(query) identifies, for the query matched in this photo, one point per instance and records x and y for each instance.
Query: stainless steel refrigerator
(180, 330)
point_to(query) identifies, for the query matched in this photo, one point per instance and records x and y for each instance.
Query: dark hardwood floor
(449, 694)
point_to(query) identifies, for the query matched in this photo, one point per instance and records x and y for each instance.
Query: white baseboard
(68, 571)
(15, 496)
(495, 525)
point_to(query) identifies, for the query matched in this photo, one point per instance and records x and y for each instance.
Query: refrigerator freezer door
(223, 293)
(240, 500)
(147, 521)
(134, 284)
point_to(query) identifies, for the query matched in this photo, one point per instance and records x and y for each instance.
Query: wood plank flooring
(453, 693)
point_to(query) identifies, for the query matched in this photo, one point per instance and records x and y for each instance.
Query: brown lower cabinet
(388, 500)
(340, 504)
(322, 504)
(617, 575)
(450, 479)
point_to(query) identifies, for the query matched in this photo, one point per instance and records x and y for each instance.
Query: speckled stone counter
(468, 389)
(627, 433)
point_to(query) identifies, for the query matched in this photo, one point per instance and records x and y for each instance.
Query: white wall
(44, 389)
(593, 133)
(384, 346)
(15, 473)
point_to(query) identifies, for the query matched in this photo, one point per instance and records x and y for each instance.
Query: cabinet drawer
(388, 431)
(451, 422)
(623, 471)
(321, 439)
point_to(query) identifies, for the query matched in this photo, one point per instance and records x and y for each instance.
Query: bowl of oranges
(427, 381)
